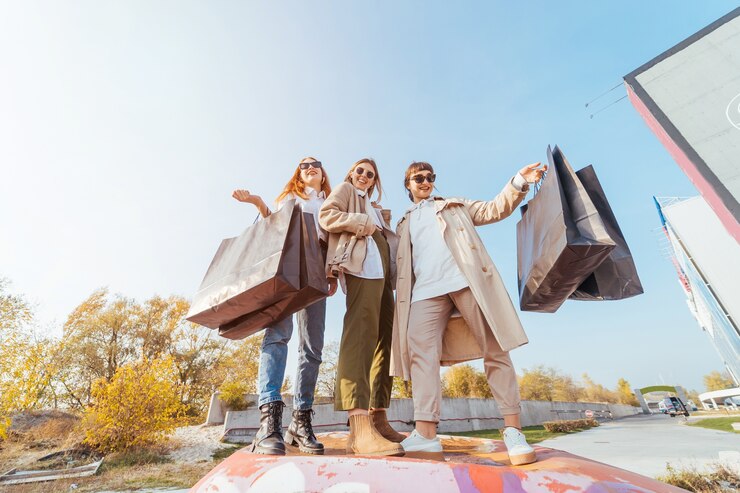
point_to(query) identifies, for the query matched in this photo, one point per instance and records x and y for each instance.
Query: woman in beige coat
(443, 267)
(361, 249)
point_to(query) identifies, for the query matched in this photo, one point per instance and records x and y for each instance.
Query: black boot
(300, 433)
(269, 438)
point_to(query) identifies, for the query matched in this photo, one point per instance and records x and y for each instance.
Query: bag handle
(538, 183)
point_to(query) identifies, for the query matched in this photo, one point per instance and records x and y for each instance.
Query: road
(644, 444)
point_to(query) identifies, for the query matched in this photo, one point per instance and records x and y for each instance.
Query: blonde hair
(370, 190)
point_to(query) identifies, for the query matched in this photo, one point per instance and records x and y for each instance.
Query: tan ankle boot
(380, 421)
(364, 439)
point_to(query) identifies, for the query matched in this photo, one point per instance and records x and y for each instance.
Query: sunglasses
(367, 173)
(420, 178)
(314, 164)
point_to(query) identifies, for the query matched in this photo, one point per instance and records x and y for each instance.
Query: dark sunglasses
(420, 178)
(369, 174)
(315, 164)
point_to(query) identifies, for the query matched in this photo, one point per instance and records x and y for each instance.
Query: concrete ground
(644, 444)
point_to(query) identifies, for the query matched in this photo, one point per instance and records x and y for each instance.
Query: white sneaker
(415, 442)
(520, 452)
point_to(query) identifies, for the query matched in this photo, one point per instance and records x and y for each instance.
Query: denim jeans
(274, 356)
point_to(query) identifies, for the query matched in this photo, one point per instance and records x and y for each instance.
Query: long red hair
(297, 187)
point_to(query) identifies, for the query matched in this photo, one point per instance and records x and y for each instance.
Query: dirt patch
(193, 444)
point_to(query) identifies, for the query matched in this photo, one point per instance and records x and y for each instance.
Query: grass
(225, 452)
(534, 434)
(721, 424)
(718, 480)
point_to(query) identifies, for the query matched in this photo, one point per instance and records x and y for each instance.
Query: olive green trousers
(363, 370)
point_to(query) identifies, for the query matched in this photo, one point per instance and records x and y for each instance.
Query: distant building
(707, 261)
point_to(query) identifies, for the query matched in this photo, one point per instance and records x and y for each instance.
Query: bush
(720, 479)
(139, 407)
(569, 425)
(233, 394)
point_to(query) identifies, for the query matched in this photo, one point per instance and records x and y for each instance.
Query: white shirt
(435, 269)
(372, 266)
(311, 205)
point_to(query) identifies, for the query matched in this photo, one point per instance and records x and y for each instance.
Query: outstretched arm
(501, 207)
(256, 200)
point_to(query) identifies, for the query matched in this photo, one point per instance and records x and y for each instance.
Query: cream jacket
(458, 219)
(343, 216)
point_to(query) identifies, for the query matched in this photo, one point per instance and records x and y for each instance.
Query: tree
(401, 389)
(594, 392)
(328, 370)
(465, 381)
(138, 406)
(718, 381)
(240, 365)
(99, 336)
(25, 359)
(565, 389)
(537, 384)
(624, 393)
(104, 333)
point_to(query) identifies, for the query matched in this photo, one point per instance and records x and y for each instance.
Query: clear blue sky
(124, 126)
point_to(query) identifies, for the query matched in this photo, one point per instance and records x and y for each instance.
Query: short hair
(414, 168)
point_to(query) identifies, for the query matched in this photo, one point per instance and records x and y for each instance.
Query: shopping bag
(616, 278)
(561, 239)
(251, 271)
(313, 287)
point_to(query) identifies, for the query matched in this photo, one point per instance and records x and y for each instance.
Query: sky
(125, 126)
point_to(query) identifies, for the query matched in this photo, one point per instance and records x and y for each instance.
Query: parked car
(672, 406)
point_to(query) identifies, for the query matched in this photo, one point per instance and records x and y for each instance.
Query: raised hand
(245, 196)
(532, 172)
(250, 198)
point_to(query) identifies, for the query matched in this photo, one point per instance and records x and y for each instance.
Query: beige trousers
(427, 321)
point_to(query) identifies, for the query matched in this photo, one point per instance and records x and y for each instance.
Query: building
(707, 260)
(689, 96)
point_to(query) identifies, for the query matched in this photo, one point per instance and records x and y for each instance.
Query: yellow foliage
(25, 360)
(233, 394)
(138, 407)
(465, 381)
(718, 381)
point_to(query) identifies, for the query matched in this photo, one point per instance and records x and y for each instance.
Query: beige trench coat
(343, 216)
(457, 219)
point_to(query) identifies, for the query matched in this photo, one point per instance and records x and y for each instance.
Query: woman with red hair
(309, 187)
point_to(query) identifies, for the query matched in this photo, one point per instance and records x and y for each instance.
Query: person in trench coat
(361, 253)
(452, 306)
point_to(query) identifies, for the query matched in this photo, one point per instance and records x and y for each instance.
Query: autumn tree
(537, 384)
(595, 392)
(328, 370)
(106, 332)
(138, 406)
(26, 359)
(465, 381)
(565, 389)
(625, 394)
(236, 374)
(718, 381)
(401, 389)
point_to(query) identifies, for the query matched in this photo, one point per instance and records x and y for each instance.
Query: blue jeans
(274, 355)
